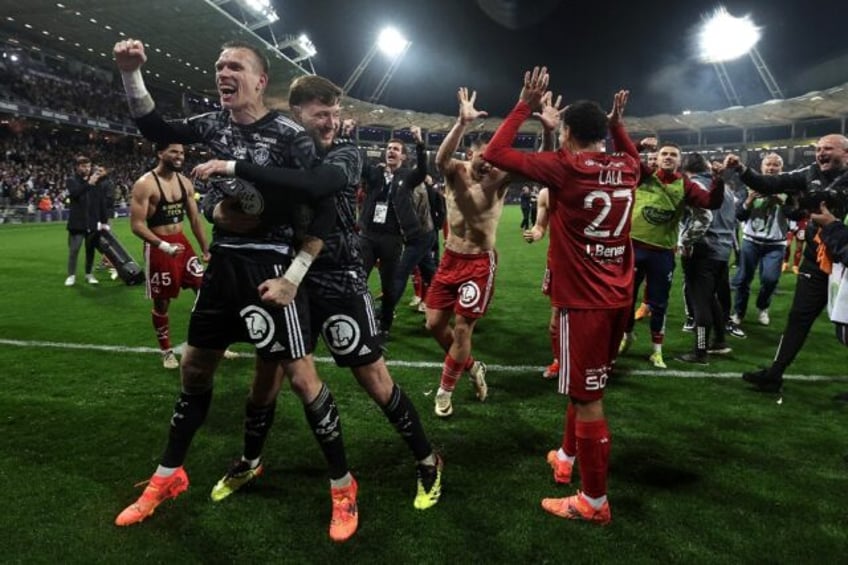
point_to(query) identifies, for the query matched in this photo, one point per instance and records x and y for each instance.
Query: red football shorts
(166, 275)
(589, 341)
(464, 283)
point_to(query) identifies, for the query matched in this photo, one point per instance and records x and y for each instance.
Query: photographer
(90, 196)
(824, 181)
(834, 237)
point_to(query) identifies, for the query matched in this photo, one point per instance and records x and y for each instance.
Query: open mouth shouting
(227, 92)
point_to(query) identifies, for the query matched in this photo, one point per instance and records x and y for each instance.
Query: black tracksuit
(811, 290)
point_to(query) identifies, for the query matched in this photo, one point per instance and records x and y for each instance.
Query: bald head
(832, 152)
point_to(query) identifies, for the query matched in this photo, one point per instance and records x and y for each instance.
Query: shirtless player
(161, 198)
(534, 234)
(464, 283)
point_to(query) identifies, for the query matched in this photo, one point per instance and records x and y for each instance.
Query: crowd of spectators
(90, 95)
(37, 163)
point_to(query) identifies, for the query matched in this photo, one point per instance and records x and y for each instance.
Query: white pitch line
(415, 364)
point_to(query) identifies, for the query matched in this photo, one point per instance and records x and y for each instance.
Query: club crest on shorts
(469, 294)
(259, 324)
(195, 267)
(341, 333)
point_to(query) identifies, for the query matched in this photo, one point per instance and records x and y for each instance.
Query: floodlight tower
(299, 48)
(725, 38)
(391, 43)
(394, 46)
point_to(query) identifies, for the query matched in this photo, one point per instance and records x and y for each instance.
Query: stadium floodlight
(306, 45)
(298, 49)
(725, 37)
(391, 42)
(262, 8)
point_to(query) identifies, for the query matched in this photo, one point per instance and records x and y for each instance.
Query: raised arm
(499, 151)
(792, 182)
(445, 162)
(550, 117)
(620, 140)
(420, 172)
(700, 196)
(130, 56)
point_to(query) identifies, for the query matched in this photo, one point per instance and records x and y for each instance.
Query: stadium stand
(67, 83)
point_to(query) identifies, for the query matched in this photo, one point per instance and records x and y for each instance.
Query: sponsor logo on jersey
(259, 324)
(657, 216)
(264, 139)
(341, 333)
(601, 251)
(469, 294)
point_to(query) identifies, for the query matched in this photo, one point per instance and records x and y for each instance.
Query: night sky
(591, 49)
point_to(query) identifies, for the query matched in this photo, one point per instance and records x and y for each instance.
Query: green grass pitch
(702, 470)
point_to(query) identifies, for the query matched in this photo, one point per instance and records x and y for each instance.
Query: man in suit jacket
(389, 220)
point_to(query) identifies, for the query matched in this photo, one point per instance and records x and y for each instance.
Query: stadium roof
(182, 38)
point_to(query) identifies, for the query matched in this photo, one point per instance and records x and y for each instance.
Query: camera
(835, 198)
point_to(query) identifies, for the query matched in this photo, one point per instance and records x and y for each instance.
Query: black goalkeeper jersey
(274, 140)
(338, 270)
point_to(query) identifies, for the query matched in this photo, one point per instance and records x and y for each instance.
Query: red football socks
(593, 449)
(163, 335)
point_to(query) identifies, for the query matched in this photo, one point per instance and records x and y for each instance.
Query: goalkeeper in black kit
(234, 302)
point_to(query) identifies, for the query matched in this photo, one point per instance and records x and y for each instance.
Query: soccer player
(229, 307)
(644, 310)
(340, 305)
(160, 200)
(537, 232)
(591, 257)
(658, 208)
(465, 280)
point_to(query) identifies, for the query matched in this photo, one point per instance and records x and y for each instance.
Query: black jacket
(403, 183)
(802, 183)
(89, 204)
(835, 238)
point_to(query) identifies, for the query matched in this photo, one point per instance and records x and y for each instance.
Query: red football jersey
(591, 200)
